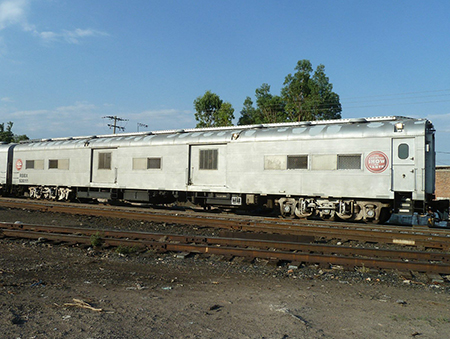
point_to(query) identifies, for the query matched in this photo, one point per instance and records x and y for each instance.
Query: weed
(363, 269)
(96, 239)
(126, 249)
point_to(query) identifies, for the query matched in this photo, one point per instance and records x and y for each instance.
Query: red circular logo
(19, 164)
(377, 162)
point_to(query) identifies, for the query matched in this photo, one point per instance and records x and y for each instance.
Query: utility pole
(141, 125)
(114, 125)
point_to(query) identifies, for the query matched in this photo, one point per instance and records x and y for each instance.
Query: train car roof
(324, 129)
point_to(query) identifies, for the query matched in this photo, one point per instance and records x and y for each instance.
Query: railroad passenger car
(353, 169)
(5, 149)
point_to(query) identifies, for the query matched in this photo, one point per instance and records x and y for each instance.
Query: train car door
(208, 165)
(403, 165)
(104, 166)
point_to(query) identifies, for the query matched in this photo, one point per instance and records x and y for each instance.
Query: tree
(7, 135)
(305, 96)
(269, 108)
(211, 111)
(310, 96)
(248, 113)
(225, 115)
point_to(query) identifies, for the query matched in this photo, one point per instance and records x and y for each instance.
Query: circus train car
(351, 169)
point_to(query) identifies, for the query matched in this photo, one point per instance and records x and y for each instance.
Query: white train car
(352, 168)
(4, 152)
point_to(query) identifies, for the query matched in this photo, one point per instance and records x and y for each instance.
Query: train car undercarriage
(300, 207)
(332, 209)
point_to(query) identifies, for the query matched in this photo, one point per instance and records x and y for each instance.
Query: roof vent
(357, 120)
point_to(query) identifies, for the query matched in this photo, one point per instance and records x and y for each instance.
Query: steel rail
(437, 239)
(435, 262)
(231, 241)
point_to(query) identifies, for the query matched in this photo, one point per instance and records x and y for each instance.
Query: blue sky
(66, 64)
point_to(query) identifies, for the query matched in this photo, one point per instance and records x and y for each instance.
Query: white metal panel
(208, 177)
(101, 173)
(403, 165)
(77, 174)
(246, 169)
(171, 176)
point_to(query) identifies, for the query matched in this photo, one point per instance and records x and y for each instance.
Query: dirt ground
(154, 295)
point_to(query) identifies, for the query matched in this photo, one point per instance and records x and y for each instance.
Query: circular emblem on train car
(19, 164)
(377, 162)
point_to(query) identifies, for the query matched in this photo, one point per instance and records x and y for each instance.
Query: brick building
(442, 182)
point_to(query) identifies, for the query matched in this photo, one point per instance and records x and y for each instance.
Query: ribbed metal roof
(324, 129)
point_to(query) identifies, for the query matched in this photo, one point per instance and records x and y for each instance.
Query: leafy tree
(310, 96)
(225, 115)
(269, 108)
(305, 96)
(211, 111)
(8, 136)
(248, 113)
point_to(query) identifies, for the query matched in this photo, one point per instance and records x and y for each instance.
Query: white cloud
(27, 114)
(14, 13)
(78, 107)
(85, 118)
(6, 99)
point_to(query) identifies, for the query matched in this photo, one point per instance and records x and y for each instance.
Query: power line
(399, 104)
(398, 94)
(405, 98)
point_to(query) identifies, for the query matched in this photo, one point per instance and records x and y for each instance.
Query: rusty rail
(422, 237)
(350, 257)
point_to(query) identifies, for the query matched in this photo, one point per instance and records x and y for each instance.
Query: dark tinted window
(53, 164)
(29, 164)
(297, 162)
(153, 163)
(403, 151)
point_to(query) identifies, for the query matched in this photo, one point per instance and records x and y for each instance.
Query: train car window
(29, 164)
(104, 161)
(208, 159)
(153, 163)
(34, 164)
(403, 151)
(297, 162)
(53, 164)
(346, 162)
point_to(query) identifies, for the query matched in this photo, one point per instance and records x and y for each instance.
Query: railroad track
(437, 262)
(421, 237)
